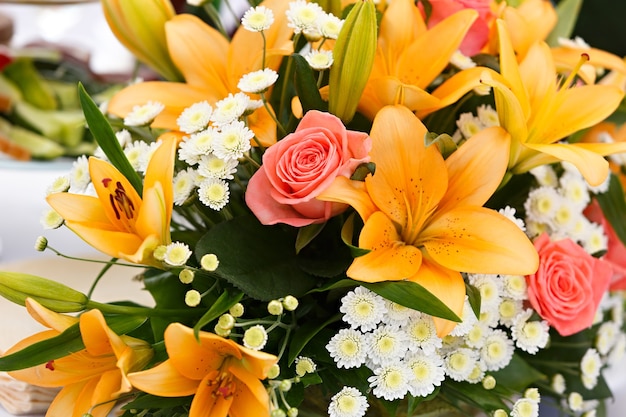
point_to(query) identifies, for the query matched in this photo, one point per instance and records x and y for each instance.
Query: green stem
(100, 275)
(272, 114)
(139, 311)
(214, 15)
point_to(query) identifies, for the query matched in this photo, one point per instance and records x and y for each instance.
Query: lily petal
(164, 380)
(344, 190)
(207, 402)
(479, 240)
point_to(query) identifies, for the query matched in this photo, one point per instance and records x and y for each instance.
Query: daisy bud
(41, 244)
(290, 303)
(274, 371)
(226, 321)
(275, 308)
(186, 276)
(220, 331)
(255, 337)
(285, 385)
(193, 298)
(489, 382)
(209, 262)
(292, 412)
(236, 310)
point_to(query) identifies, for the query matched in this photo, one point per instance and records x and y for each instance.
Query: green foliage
(613, 206)
(567, 11)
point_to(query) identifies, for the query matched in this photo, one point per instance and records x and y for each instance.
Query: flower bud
(353, 54)
(17, 287)
(236, 310)
(41, 244)
(290, 303)
(275, 308)
(140, 27)
(274, 371)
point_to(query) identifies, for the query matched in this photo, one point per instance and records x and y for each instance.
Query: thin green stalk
(139, 311)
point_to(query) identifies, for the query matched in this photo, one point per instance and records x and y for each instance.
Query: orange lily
(424, 219)
(539, 110)
(224, 376)
(93, 377)
(211, 67)
(118, 221)
(410, 56)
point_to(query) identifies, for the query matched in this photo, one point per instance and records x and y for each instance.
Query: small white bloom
(576, 43)
(397, 314)
(574, 189)
(183, 184)
(214, 193)
(139, 154)
(304, 365)
(541, 204)
(391, 381)
(177, 254)
(233, 141)
(59, 185)
(596, 239)
(79, 175)
(349, 402)
(558, 384)
(490, 287)
(469, 125)
(330, 25)
(461, 61)
(509, 213)
(606, 337)
(50, 219)
(515, 287)
(575, 401)
(427, 373)
(525, 407)
(460, 363)
(257, 19)
(303, 16)
(123, 137)
(348, 348)
(508, 310)
(230, 109)
(619, 348)
(600, 188)
(477, 335)
(195, 117)
(591, 364)
(143, 115)
(468, 318)
(362, 309)
(422, 334)
(319, 60)
(257, 82)
(194, 147)
(255, 337)
(487, 115)
(545, 176)
(497, 350)
(530, 336)
(386, 344)
(210, 166)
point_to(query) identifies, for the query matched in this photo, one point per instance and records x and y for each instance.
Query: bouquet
(345, 209)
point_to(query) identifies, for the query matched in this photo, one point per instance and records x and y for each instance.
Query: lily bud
(353, 54)
(140, 27)
(17, 287)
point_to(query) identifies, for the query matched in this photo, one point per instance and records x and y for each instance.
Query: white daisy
(348, 348)
(490, 287)
(257, 19)
(362, 309)
(422, 334)
(177, 254)
(50, 219)
(591, 364)
(79, 175)
(214, 193)
(460, 363)
(427, 373)
(487, 115)
(193, 147)
(461, 61)
(595, 240)
(330, 25)
(139, 153)
(195, 117)
(509, 213)
(143, 115)
(230, 109)
(319, 60)
(60, 184)
(255, 337)
(468, 318)
(349, 402)
(397, 314)
(606, 337)
(386, 345)
(619, 348)
(558, 383)
(183, 185)
(525, 407)
(469, 125)
(530, 336)
(391, 381)
(477, 335)
(303, 16)
(257, 82)
(515, 287)
(210, 166)
(508, 310)
(541, 204)
(545, 176)
(233, 141)
(497, 350)
(574, 189)
(575, 401)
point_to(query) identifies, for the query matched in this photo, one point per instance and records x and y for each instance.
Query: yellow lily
(224, 376)
(212, 67)
(93, 377)
(118, 221)
(139, 26)
(539, 110)
(410, 56)
(424, 219)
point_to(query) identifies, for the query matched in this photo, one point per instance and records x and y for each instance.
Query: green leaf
(103, 133)
(412, 295)
(151, 402)
(518, 374)
(226, 300)
(306, 86)
(473, 294)
(67, 342)
(304, 334)
(259, 260)
(306, 234)
(567, 11)
(347, 235)
(613, 206)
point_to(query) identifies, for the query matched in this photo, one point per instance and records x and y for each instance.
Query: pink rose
(616, 252)
(478, 34)
(303, 164)
(568, 286)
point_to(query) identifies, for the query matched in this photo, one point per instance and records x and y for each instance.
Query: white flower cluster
(469, 124)
(310, 19)
(401, 347)
(556, 207)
